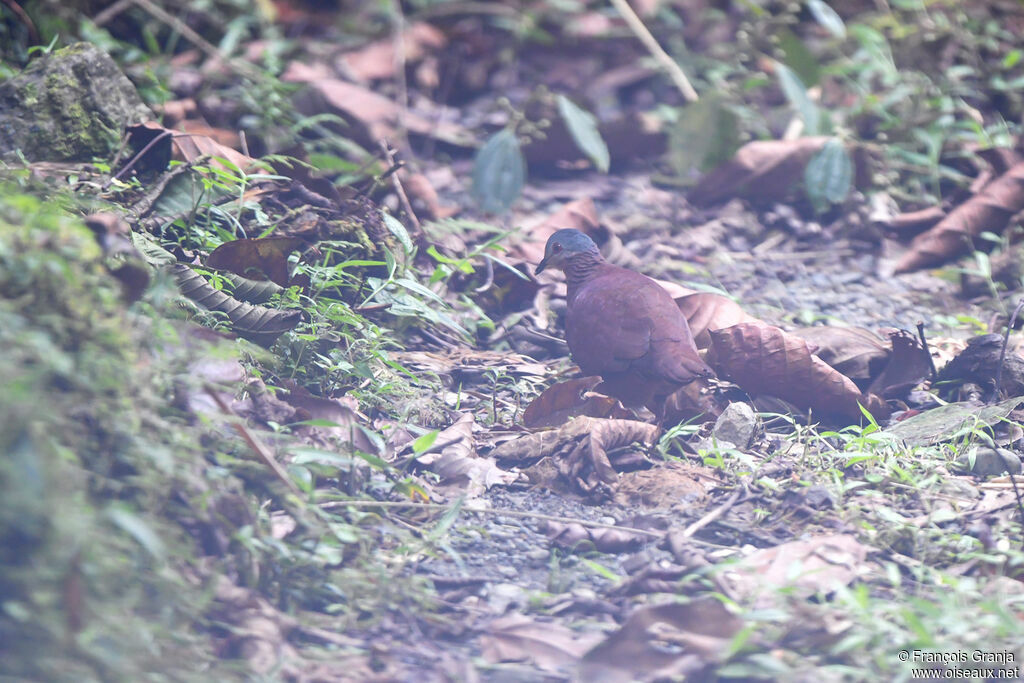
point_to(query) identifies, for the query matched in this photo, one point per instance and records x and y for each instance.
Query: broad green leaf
(796, 93)
(829, 174)
(135, 527)
(424, 442)
(704, 134)
(152, 252)
(799, 58)
(399, 231)
(827, 17)
(499, 173)
(583, 127)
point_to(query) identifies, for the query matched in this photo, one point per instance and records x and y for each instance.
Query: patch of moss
(89, 584)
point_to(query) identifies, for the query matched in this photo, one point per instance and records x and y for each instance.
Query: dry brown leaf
(421, 191)
(517, 638)
(580, 448)
(570, 536)
(180, 146)
(763, 359)
(256, 259)
(580, 214)
(374, 116)
(988, 211)
(911, 223)
(801, 568)
(706, 311)
(691, 402)
(377, 60)
(667, 485)
(458, 463)
(762, 170)
(908, 366)
(857, 352)
(698, 634)
(560, 402)
(343, 412)
(979, 363)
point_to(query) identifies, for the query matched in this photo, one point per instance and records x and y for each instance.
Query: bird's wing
(607, 324)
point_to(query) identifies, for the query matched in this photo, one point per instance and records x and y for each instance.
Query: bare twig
(403, 198)
(663, 59)
(25, 19)
(489, 280)
(713, 515)
(135, 159)
(112, 11)
(927, 351)
(523, 514)
(258, 448)
(190, 35)
(1002, 352)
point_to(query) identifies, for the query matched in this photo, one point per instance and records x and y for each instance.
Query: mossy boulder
(71, 105)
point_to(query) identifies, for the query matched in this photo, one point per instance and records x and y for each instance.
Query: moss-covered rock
(71, 105)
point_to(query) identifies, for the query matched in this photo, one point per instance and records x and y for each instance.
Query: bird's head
(562, 246)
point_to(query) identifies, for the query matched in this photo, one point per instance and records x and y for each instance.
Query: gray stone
(990, 462)
(71, 105)
(736, 425)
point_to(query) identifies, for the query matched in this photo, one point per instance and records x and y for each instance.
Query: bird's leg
(659, 411)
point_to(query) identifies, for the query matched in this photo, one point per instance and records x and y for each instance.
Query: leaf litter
(571, 455)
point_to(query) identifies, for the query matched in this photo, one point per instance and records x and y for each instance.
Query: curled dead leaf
(763, 359)
(988, 211)
(762, 170)
(256, 259)
(560, 402)
(706, 311)
(258, 324)
(699, 634)
(580, 448)
(602, 540)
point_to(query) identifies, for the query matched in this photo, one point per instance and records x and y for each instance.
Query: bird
(622, 326)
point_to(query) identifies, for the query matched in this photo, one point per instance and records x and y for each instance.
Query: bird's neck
(581, 268)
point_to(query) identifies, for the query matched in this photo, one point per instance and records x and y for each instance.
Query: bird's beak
(541, 266)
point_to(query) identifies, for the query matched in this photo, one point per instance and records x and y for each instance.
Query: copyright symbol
(904, 655)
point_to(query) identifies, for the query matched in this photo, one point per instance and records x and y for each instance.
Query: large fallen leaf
(459, 464)
(908, 366)
(561, 402)
(374, 116)
(580, 214)
(763, 170)
(802, 568)
(377, 60)
(952, 421)
(763, 359)
(255, 323)
(338, 418)
(706, 311)
(662, 642)
(580, 448)
(857, 352)
(256, 259)
(517, 638)
(980, 362)
(958, 233)
(181, 146)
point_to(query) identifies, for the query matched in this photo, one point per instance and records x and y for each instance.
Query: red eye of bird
(556, 248)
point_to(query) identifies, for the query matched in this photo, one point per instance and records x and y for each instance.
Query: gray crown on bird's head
(564, 244)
